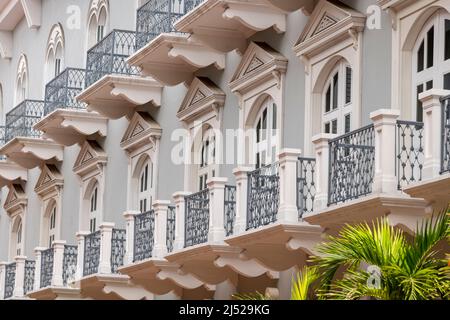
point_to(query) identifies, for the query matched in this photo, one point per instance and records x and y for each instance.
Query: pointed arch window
(145, 186)
(93, 211)
(52, 226)
(206, 168)
(266, 134)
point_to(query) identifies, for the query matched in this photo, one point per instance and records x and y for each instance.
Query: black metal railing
(229, 209)
(28, 279)
(306, 185)
(263, 196)
(91, 261)
(47, 257)
(170, 228)
(445, 142)
(61, 92)
(159, 16)
(10, 280)
(21, 119)
(109, 56)
(118, 245)
(196, 218)
(144, 235)
(351, 165)
(2, 135)
(69, 264)
(409, 152)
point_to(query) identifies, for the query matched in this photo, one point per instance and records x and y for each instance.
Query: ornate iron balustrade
(170, 231)
(61, 92)
(230, 209)
(352, 165)
(159, 16)
(109, 56)
(144, 238)
(306, 185)
(409, 152)
(28, 281)
(117, 249)
(46, 267)
(2, 135)
(197, 218)
(91, 253)
(69, 263)
(263, 196)
(445, 143)
(10, 280)
(21, 119)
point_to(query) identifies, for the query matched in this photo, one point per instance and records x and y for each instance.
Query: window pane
(419, 116)
(334, 126)
(258, 132)
(264, 120)
(335, 90)
(430, 48)
(421, 57)
(274, 117)
(447, 81)
(348, 85)
(447, 40)
(328, 100)
(429, 85)
(327, 127)
(347, 123)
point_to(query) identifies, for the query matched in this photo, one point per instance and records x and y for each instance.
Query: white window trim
(14, 234)
(55, 45)
(21, 90)
(96, 8)
(15, 206)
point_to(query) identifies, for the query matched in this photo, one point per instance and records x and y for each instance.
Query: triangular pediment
(50, 177)
(258, 57)
(91, 154)
(202, 93)
(327, 15)
(15, 198)
(142, 126)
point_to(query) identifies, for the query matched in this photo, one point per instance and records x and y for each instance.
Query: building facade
(190, 149)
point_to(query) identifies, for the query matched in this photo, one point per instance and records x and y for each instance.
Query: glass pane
(430, 48)
(335, 90)
(327, 127)
(421, 57)
(334, 126)
(348, 85)
(274, 117)
(419, 116)
(447, 81)
(447, 40)
(429, 85)
(347, 123)
(328, 100)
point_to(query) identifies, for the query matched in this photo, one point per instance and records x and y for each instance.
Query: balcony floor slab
(56, 293)
(435, 191)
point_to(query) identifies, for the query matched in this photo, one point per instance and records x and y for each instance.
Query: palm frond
(302, 285)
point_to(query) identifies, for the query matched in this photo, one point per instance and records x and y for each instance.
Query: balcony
(306, 185)
(10, 279)
(21, 119)
(158, 16)
(29, 276)
(60, 93)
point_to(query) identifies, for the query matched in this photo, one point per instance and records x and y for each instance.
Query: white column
(288, 211)
(20, 276)
(160, 208)
(322, 147)
(180, 206)
(129, 253)
(105, 247)
(2, 279)
(37, 270)
(216, 188)
(80, 254)
(385, 121)
(432, 120)
(58, 260)
(241, 176)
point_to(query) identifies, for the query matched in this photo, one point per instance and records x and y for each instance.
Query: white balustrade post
(241, 177)
(216, 188)
(129, 253)
(80, 254)
(322, 147)
(385, 121)
(106, 230)
(58, 260)
(20, 276)
(288, 211)
(432, 129)
(2, 279)
(160, 208)
(37, 270)
(180, 207)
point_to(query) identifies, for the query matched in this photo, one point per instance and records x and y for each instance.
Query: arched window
(93, 210)
(266, 134)
(19, 239)
(431, 59)
(52, 226)
(16, 244)
(97, 21)
(22, 80)
(337, 100)
(145, 186)
(207, 158)
(55, 53)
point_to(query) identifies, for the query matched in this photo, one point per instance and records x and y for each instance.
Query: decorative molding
(6, 44)
(49, 181)
(142, 130)
(91, 158)
(33, 12)
(326, 22)
(15, 200)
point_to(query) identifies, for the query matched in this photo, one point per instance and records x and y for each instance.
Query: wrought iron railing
(409, 152)
(159, 16)
(46, 267)
(144, 238)
(117, 249)
(263, 196)
(21, 119)
(109, 56)
(69, 264)
(170, 228)
(2, 135)
(445, 142)
(196, 218)
(351, 165)
(61, 92)
(91, 253)
(10, 280)
(28, 280)
(306, 185)
(230, 209)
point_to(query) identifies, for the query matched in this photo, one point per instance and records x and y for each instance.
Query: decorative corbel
(354, 35)
(277, 75)
(305, 62)
(216, 110)
(393, 16)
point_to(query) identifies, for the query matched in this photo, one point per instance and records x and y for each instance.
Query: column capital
(20, 258)
(323, 138)
(106, 226)
(59, 243)
(384, 116)
(161, 204)
(433, 97)
(289, 153)
(39, 249)
(216, 182)
(81, 234)
(129, 215)
(179, 196)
